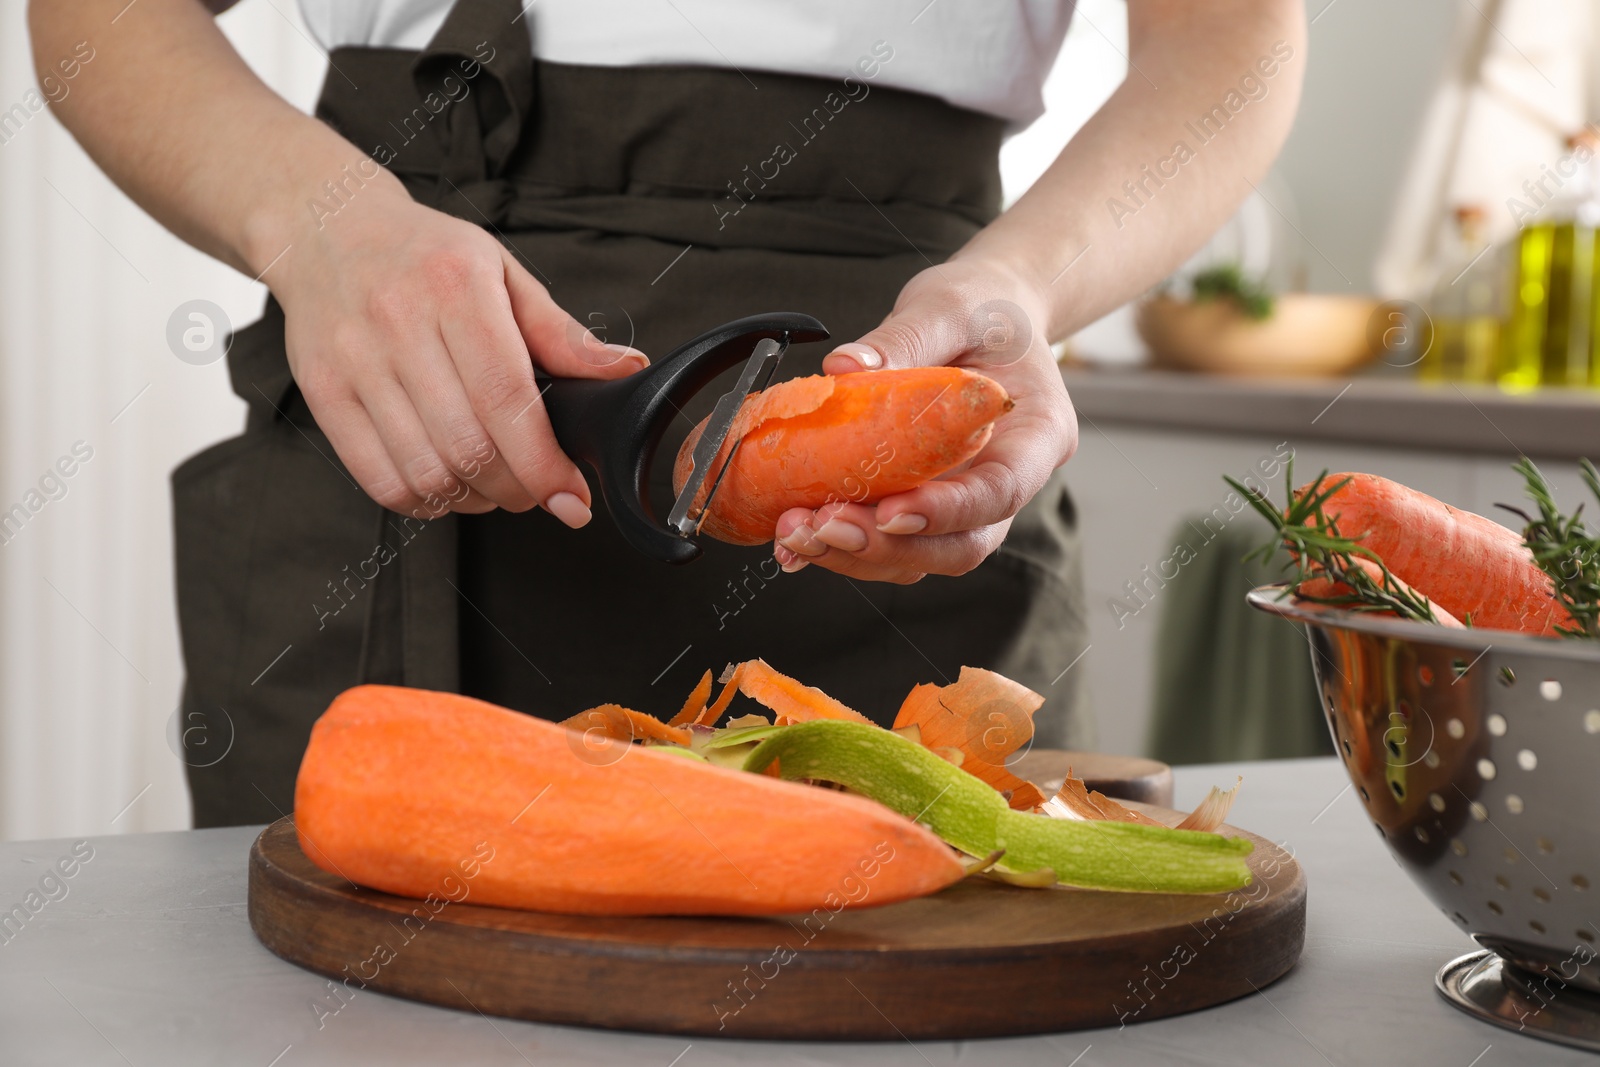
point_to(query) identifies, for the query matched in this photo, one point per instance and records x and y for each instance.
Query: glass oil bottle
(1467, 305)
(1551, 336)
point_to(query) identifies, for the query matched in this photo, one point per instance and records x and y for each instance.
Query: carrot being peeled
(860, 437)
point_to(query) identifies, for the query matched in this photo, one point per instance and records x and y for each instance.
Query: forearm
(172, 114)
(1145, 182)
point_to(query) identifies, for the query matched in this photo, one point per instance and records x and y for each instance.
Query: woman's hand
(969, 312)
(413, 336)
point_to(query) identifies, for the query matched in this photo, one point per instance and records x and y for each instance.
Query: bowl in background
(1307, 335)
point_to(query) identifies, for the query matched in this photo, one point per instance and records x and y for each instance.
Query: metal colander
(1477, 756)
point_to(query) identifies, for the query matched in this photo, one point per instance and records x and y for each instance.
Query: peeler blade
(755, 376)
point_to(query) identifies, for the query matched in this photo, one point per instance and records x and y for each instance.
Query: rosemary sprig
(1317, 549)
(1564, 548)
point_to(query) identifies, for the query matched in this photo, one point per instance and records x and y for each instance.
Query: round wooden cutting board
(979, 959)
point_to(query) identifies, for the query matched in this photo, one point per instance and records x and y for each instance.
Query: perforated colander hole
(1536, 926)
(1460, 918)
(1503, 882)
(1550, 689)
(1544, 844)
(1435, 801)
(1508, 677)
(1479, 812)
(1584, 935)
(1497, 725)
(1454, 728)
(1397, 789)
(1486, 769)
(1455, 878)
(1580, 882)
(1381, 831)
(1540, 893)
(1514, 804)
(1422, 835)
(1431, 759)
(1527, 759)
(1591, 721)
(1510, 854)
(1347, 746)
(1363, 790)
(1496, 908)
(1425, 675)
(1458, 846)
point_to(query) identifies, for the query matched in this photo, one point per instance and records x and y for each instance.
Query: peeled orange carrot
(856, 437)
(407, 791)
(1465, 563)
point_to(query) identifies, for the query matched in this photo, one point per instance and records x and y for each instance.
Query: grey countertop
(149, 959)
(1369, 409)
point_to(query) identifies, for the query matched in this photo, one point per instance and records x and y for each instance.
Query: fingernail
(908, 523)
(795, 565)
(569, 509)
(803, 541)
(845, 536)
(787, 560)
(611, 355)
(866, 356)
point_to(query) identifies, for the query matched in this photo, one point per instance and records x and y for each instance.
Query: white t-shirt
(986, 55)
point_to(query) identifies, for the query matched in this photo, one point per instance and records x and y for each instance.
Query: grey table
(149, 959)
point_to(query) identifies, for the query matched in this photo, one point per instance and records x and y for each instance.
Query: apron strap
(476, 76)
(479, 70)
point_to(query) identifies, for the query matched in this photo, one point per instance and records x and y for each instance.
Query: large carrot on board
(1465, 563)
(400, 788)
(857, 437)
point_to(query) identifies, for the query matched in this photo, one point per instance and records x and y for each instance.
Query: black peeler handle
(615, 426)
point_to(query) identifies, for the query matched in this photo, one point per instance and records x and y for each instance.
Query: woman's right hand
(413, 336)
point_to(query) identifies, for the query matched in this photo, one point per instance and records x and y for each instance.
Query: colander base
(1489, 988)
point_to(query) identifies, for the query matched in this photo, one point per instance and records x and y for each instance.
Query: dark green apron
(654, 203)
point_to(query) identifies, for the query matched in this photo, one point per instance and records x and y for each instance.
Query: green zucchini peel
(968, 814)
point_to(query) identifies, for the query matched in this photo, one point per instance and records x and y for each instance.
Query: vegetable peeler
(615, 427)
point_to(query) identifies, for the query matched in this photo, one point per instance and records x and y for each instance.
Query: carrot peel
(625, 724)
(696, 703)
(788, 700)
(984, 716)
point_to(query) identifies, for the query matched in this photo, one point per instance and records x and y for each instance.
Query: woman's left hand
(966, 313)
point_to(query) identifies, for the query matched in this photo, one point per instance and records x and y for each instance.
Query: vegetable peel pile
(759, 816)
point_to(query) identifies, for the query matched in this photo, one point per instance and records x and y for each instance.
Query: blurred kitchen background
(1380, 304)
